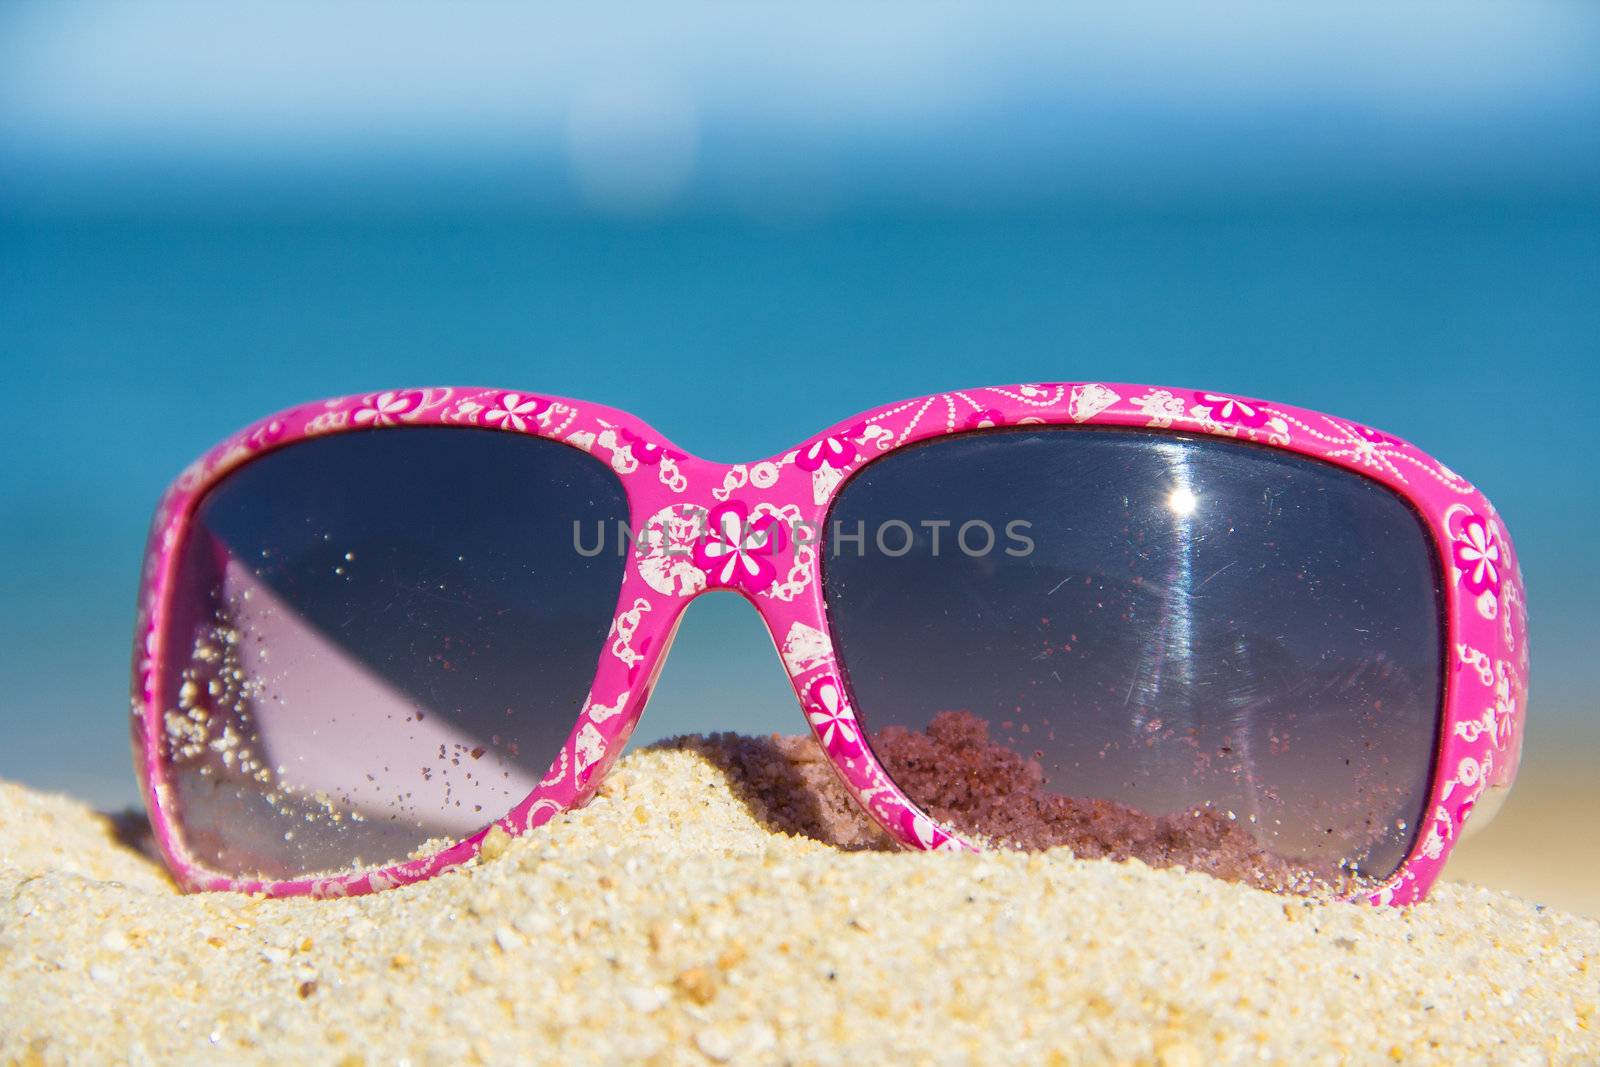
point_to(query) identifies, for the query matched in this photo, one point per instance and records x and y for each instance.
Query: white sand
(668, 923)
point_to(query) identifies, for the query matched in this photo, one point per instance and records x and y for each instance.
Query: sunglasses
(1186, 627)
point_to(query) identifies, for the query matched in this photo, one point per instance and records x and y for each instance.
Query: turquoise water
(129, 347)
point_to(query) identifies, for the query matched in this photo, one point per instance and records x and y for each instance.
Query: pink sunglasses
(1183, 626)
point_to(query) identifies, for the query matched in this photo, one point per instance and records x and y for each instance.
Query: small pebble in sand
(697, 983)
(715, 1044)
(494, 844)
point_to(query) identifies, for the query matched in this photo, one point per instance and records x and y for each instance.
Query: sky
(786, 112)
(745, 224)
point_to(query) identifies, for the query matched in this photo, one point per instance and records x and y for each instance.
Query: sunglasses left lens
(376, 642)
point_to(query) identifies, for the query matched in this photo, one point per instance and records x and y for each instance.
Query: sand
(721, 901)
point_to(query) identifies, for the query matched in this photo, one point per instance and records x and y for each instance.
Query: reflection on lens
(377, 642)
(1215, 655)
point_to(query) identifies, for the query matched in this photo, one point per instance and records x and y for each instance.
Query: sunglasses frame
(718, 522)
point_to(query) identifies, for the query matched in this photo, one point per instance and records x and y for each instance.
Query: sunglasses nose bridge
(754, 529)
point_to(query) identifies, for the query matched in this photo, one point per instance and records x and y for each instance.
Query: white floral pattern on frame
(831, 716)
(387, 409)
(514, 412)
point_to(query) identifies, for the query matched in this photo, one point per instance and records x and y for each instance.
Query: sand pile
(702, 909)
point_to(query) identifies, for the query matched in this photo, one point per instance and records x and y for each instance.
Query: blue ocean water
(128, 347)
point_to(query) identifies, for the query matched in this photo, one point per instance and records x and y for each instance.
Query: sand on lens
(722, 900)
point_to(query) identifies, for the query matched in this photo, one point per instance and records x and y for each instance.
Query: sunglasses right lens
(376, 643)
(1184, 649)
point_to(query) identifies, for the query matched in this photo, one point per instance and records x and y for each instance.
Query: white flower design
(737, 549)
(1477, 553)
(386, 409)
(1222, 408)
(831, 716)
(513, 412)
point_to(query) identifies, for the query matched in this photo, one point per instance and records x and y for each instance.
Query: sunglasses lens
(1140, 644)
(377, 642)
